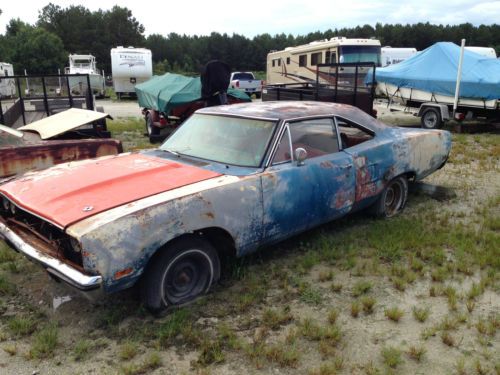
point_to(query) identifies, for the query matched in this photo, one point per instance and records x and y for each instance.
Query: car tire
(179, 273)
(431, 119)
(392, 199)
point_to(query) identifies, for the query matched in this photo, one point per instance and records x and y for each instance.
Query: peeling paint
(255, 206)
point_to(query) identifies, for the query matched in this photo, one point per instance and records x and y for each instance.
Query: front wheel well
(219, 238)
(410, 176)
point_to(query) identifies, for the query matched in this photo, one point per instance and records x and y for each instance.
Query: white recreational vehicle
(130, 66)
(298, 64)
(483, 51)
(84, 64)
(7, 85)
(391, 56)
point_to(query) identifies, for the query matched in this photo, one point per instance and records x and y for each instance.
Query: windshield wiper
(172, 152)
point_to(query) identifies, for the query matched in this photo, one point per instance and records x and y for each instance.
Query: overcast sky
(273, 16)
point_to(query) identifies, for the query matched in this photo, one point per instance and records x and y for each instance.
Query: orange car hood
(69, 193)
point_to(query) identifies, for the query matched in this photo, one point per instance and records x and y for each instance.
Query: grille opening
(57, 240)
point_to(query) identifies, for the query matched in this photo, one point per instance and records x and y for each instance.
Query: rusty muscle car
(231, 179)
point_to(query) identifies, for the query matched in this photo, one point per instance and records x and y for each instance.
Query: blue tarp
(435, 70)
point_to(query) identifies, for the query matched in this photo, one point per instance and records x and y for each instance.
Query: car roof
(288, 110)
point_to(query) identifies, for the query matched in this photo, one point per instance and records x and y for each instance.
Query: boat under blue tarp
(435, 70)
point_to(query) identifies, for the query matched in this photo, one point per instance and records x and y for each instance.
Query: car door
(298, 196)
(371, 159)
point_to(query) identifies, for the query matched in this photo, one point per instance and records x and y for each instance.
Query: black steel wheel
(392, 199)
(431, 119)
(182, 271)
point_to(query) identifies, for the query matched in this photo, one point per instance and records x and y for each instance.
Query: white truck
(391, 56)
(245, 81)
(130, 66)
(7, 85)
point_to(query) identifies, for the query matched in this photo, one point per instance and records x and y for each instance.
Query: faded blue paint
(265, 205)
(297, 198)
(259, 205)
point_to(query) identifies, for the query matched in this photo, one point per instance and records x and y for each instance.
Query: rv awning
(62, 122)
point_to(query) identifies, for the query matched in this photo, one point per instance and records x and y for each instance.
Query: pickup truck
(245, 81)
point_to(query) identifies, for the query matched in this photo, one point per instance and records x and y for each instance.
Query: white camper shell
(391, 56)
(130, 66)
(7, 86)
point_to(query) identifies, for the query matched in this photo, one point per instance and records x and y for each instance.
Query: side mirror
(300, 155)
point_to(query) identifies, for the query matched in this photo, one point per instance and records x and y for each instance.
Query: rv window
(316, 58)
(273, 62)
(333, 58)
(327, 57)
(302, 60)
(287, 61)
(279, 62)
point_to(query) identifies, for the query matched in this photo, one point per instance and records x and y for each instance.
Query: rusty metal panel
(62, 122)
(17, 160)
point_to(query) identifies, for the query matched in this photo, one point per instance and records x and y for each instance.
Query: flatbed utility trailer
(336, 83)
(39, 96)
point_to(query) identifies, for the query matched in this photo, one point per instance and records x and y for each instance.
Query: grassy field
(418, 293)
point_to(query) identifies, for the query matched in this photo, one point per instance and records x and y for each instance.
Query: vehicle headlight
(12, 208)
(75, 245)
(5, 204)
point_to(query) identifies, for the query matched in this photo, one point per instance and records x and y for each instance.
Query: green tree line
(44, 46)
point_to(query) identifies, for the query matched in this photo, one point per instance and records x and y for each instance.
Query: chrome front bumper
(54, 266)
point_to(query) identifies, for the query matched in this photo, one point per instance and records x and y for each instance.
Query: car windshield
(224, 139)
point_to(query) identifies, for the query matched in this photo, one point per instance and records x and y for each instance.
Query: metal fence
(24, 99)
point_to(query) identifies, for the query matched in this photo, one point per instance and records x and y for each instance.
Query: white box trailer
(130, 66)
(7, 86)
(391, 56)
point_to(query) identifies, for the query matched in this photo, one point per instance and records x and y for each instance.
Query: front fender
(119, 243)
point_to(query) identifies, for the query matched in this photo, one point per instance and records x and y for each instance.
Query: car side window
(318, 137)
(351, 134)
(284, 151)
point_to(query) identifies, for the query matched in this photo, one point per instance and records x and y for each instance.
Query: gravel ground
(120, 109)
